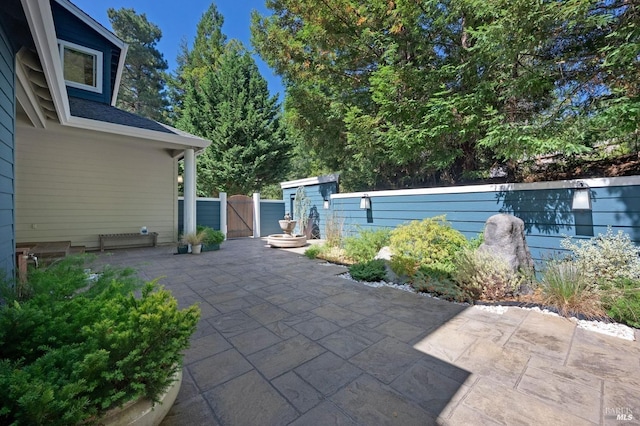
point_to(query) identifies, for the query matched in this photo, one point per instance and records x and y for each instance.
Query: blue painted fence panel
(270, 213)
(547, 213)
(207, 213)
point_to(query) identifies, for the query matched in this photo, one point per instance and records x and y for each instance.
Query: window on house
(82, 67)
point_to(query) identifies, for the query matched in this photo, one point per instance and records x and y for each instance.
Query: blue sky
(178, 20)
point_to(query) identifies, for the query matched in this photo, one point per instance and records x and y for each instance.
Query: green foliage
(438, 284)
(476, 241)
(484, 276)
(313, 251)
(398, 94)
(403, 266)
(194, 238)
(606, 257)
(333, 254)
(621, 299)
(366, 245)
(194, 63)
(371, 271)
(567, 288)
(76, 347)
(333, 230)
(228, 102)
(431, 242)
(143, 78)
(219, 94)
(210, 235)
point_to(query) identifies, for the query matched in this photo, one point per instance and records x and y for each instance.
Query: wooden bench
(128, 240)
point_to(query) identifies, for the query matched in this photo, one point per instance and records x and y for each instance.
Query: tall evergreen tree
(194, 63)
(142, 88)
(231, 106)
(397, 93)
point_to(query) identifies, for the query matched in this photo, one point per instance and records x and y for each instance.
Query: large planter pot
(183, 249)
(196, 248)
(210, 247)
(143, 412)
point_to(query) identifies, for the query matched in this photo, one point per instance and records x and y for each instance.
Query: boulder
(504, 237)
(386, 254)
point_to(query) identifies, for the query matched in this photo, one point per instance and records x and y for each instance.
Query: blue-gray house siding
(70, 28)
(7, 140)
(547, 213)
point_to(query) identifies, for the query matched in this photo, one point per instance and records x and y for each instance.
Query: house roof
(101, 112)
(43, 89)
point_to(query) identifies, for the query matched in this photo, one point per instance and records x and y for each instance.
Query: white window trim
(99, 65)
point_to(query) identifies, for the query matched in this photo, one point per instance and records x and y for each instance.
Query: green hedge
(75, 348)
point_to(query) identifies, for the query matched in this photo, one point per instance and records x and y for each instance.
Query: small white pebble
(612, 329)
(496, 309)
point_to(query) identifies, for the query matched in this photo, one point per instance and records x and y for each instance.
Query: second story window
(82, 66)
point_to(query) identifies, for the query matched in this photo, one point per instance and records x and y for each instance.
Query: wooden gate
(239, 216)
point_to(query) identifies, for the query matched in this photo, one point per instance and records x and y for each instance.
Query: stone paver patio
(284, 341)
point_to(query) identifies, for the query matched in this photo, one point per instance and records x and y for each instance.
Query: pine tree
(232, 107)
(194, 63)
(142, 89)
(408, 93)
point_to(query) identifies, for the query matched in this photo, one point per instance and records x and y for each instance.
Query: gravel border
(621, 331)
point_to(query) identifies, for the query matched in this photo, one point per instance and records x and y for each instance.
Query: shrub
(193, 238)
(566, 287)
(210, 236)
(77, 348)
(439, 284)
(366, 245)
(313, 251)
(476, 241)
(622, 302)
(372, 271)
(333, 230)
(606, 257)
(334, 254)
(485, 276)
(431, 242)
(404, 267)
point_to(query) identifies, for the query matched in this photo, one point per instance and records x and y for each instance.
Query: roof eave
(179, 141)
(40, 20)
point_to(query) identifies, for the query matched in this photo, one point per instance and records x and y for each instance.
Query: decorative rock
(385, 254)
(504, 236)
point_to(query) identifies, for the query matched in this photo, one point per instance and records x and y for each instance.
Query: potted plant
(212, 238)
(77, 346)
(194, 239)
(183, 247)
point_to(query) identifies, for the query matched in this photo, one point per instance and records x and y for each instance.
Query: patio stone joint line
(573, 336)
